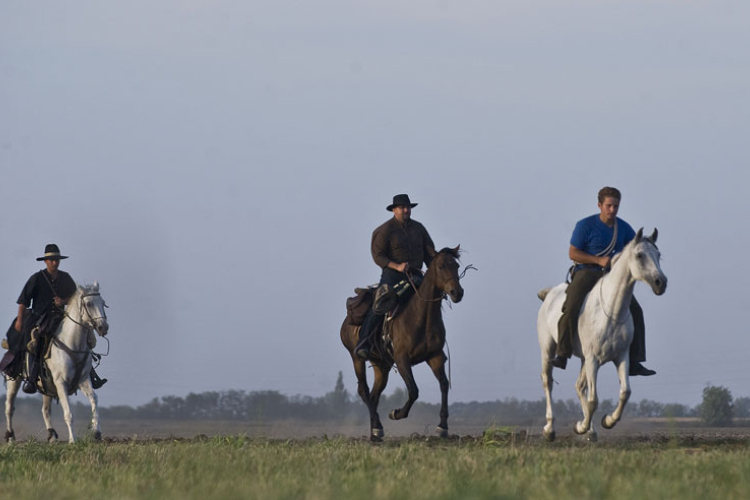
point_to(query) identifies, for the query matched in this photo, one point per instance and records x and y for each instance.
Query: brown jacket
(397, 242)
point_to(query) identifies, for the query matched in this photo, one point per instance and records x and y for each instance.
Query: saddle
(382, 299)
(358, 306)
(34, 339)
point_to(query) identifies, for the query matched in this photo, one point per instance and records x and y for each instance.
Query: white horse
(69, 362)
(605, 329)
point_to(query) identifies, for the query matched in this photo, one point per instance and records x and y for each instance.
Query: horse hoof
(592, 437)
(578, 428)
(98, 436)
(51, 435)
(392, 415)
(375, 439)
(442, 432)
(377, 432)
(605, 422)
(10, 436)
(549, 436)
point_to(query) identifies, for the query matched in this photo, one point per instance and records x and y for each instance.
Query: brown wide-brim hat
(51, 252)
(400, 199)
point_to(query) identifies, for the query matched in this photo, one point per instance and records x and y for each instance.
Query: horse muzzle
(101, 327)
(659, 285)
(455, 292)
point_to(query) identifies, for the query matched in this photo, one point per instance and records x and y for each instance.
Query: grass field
(499, 464)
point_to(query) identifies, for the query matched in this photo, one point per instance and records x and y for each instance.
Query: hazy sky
(219, 168)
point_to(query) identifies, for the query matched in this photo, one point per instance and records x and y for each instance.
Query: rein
(443, 295)
(416, 291)
(78, 364)
(604, 310)
(601, 287)
(86, 310)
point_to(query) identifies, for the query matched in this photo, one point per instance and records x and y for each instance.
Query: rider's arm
(19, 319)
(65, 289)
(582, 257)
(380, 247)
(429, 247)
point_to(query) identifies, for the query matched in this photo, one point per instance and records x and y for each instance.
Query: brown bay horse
(418, 335)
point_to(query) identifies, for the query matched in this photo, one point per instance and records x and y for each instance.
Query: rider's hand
(402, 267)
(605, 261)
(18, 325)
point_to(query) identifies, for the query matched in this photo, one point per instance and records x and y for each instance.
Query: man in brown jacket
(399, 247)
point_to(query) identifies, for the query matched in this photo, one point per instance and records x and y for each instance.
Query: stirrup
(96, 381)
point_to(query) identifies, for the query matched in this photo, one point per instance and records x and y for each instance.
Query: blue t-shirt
(592, 236)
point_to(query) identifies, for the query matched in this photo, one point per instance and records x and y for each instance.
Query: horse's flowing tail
(542, 294)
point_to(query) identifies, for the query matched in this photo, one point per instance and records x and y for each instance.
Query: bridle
(443, 295)
(82, 305)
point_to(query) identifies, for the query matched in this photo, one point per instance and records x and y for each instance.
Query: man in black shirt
(399, 247)
(46, 293)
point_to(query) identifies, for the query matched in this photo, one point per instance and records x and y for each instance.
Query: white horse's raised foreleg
(549, 428)
(94, 400)
(11, 390)
(623, 367)
(586, 388)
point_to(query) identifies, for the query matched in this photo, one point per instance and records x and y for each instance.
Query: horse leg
(581, 389)
(62, 394)
(11, 392)
(404, 368)
(51, 433)
(85, 386)
(549, 428)
(360, 370)
(623, 366)
(586, 388)
(437, 363)
(380, 380)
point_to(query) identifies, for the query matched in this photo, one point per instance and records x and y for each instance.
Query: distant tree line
(717, 408)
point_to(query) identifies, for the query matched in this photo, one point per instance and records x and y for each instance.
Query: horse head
(644, 264)
(445, 264)
(92, 308)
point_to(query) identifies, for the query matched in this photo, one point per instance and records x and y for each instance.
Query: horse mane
(632, 243)
(81, 290)
(452, 251)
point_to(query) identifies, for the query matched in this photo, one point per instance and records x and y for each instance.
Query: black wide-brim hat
(400, 199)
(51, 252)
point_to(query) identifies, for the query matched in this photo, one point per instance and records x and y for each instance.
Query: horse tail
(542, 294)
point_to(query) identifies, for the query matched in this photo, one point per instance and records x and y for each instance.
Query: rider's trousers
(580, 285)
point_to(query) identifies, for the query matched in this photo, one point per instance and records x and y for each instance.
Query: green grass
(499, 464)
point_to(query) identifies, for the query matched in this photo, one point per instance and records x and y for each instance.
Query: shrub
(716, 409)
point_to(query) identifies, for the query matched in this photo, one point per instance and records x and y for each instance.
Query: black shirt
(399, 242)
(39, 291)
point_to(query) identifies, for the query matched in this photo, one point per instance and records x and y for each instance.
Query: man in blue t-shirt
(596, 239)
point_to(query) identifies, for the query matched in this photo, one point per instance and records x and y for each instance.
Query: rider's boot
(97, 382)
(363, 348)
(637, 368)
(29, 385)
(559, 362)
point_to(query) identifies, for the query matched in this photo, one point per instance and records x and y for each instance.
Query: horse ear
(456, 251)
(655, 235)
(96, 286)
(639, 235)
